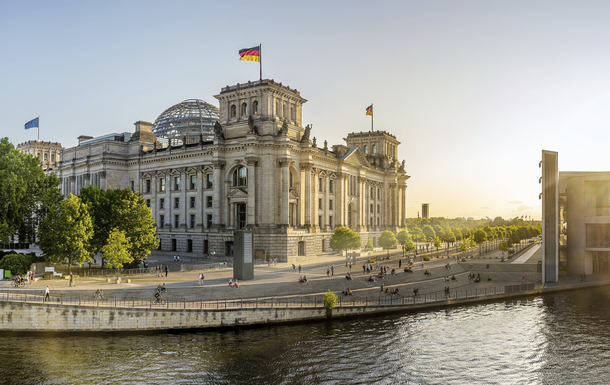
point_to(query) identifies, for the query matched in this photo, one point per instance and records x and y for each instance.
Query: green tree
(387, 240)
(429, 232)
(24, 192)
(465, 232)
(463, 248)
(369, 246)
(344, 238)
(503, 246)
(457, 233)
(438, 230)
(402, 237)
(116, 250)
(417, 235)
(330, 299)
(437, 243)
(409, 245)
(449, 237)
(65, 233)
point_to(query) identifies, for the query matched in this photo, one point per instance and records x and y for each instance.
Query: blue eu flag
(32, 124)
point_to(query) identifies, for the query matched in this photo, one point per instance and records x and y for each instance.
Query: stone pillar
(252, 162)
(285, 218)
(327, 202)
(340, 199)
(218, 167)
(314, 207)
(306, 167)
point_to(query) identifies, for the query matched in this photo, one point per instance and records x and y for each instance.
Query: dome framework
(192, 118)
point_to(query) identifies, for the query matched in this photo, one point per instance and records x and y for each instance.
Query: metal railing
(267, 302)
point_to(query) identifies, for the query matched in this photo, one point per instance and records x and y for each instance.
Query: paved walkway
(527, 255)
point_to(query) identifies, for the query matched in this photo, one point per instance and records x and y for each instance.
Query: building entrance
(600, 262)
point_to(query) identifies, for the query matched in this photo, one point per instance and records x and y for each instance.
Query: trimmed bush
(18, 263)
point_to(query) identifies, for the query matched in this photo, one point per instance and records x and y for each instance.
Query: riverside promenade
(275, 295)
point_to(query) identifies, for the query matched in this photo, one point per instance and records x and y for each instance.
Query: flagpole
(372, 113)
(260, 59)
(38, 128)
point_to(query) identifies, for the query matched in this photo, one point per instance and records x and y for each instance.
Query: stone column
(285, 163)
(218, 167)
(340, 198)
(252, 162)
(306, 167)
(315, 206)
(199, 199)
(327, 202)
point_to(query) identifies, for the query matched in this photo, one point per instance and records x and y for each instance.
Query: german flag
(250, 54)
(369, 110)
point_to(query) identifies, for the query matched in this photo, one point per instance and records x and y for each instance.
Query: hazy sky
(474, 90)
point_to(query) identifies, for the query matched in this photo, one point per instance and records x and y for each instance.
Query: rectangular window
(372, 211)
(208, 201)
(330, 204)
(372, 193)
(176, 183)
(320, 220)
(192, 221)
(162, 184)
(193, 181)
(378, 193)
(132, 185)
(330, 222)
(176, 203)
(192, 202)
(377, 222)
(162, 203)
(330, 186)
(148, 203)
(371, 222)
(209, 221)
(147, 185)
(320, 184)
(209, 180)
(378, 209)
(161, 220)
(176, 221)
(320, 204)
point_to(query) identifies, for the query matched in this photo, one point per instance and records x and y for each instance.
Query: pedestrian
(363, 269)
(71, 280)
(275, 261)
(332, 269)
(174, 259)
(31, 277)
(294, 268)
(166, 270)
(399, 263)
(178, 259)
(327, 271)
(299, 269)
(46, 294)
(382, 287)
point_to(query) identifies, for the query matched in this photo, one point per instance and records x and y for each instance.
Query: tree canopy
(344, 238)
(65, 233)
(387, 240)
(116, 249)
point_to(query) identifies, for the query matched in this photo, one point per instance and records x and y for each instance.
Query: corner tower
(270, 105)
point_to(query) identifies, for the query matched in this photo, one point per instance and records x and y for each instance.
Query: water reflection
(558, 339)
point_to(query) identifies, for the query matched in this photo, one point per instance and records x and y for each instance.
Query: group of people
(427, 272)
(160, 270)
(347, 291)
(447, 266)
(271, 262)
(294, 268)
(330, 270)
(447, 279)
(234, 284)
(408, 270)
(176, 259)
(476, 278)
(200, 280)
(348, 276)
(303, 279)
(391, 291)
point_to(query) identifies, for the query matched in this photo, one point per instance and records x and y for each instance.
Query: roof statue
(306, 134)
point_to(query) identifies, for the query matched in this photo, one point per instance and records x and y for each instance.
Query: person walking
(399, 263)
(46, 294)
(166, 270)
(299, 269)
(294, 268)
(31, 277)
(382, 287)
(332, 269)
(328, 271)
(71, 279)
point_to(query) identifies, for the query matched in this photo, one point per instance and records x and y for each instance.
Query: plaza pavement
(280, 280)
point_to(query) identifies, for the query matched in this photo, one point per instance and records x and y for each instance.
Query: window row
(192, 183)
(192, 202)
(244, 109)
(192, 221)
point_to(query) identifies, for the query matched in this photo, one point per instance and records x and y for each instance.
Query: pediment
(293, 194)
(207, 168)
(357, 158)
(191, 170)
(145, 175)
(237, 193)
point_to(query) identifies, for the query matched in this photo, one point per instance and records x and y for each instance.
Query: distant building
(575, 220)
(47, 152)
(425, 213)
(250, 164)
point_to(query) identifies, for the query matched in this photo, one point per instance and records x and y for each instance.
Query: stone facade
(262, 171)
(47, 152)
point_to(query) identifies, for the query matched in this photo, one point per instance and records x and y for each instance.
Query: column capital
(306, 166)
(284, 162)
(219, 164)
(252, 160)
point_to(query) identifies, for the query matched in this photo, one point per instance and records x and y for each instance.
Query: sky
(473, 90)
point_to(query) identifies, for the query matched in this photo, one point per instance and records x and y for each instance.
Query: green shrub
(18, 263)
(426, 258)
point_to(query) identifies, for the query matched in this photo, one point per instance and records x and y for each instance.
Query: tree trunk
(69, 265)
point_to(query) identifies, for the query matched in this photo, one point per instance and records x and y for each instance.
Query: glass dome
(191, 118)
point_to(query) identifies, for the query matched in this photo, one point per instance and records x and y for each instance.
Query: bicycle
(19, 284)
(158, 301)
(99, 296)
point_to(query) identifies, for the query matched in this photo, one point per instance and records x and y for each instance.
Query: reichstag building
(250, 164)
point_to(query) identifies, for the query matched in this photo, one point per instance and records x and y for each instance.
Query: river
(553, 339)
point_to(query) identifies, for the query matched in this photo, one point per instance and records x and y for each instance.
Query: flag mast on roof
(34, 123)
(253, 54)
(369, 111)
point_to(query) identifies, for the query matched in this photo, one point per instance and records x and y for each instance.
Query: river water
(553, 339)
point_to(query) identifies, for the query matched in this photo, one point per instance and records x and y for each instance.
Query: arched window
(233, 111)
(284, 112)
(255, 107)
(277, 108)
(292, 115)
(240, 176)
(244, 109)
(45, 156)
(374, 149)
(366, 149)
